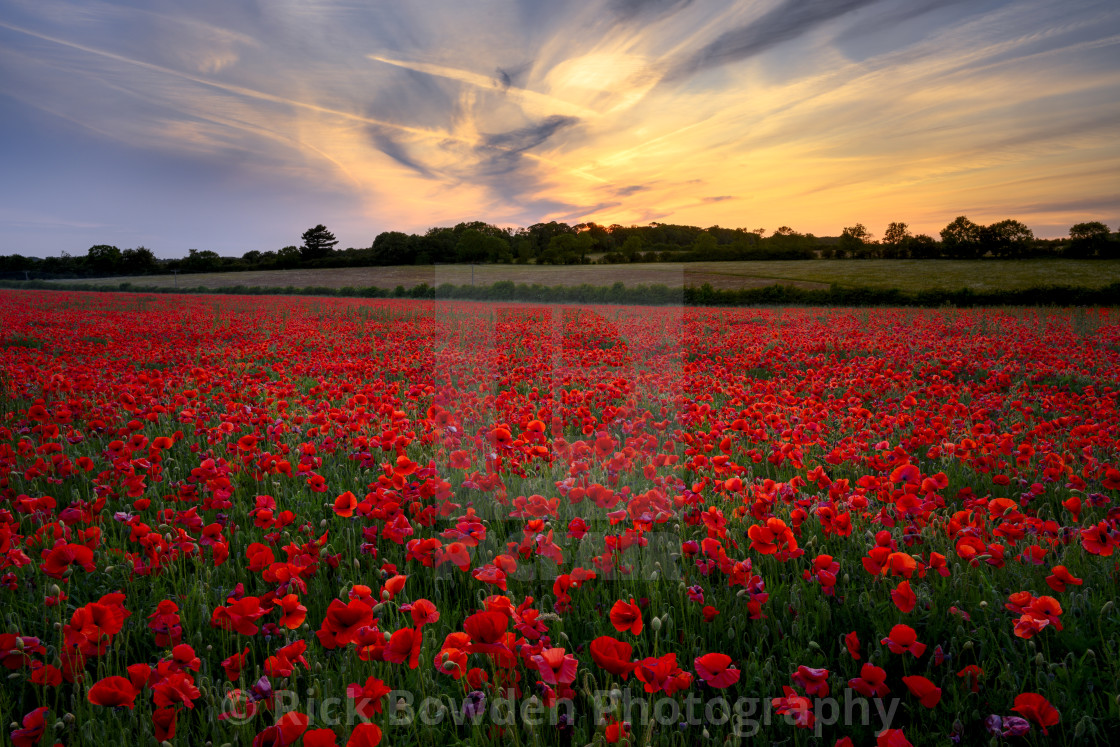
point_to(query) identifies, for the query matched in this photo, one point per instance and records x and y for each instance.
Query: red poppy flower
(176, 688)
(814, 681)
(286, 731)
(113, 692)
(1059, 577)
(234, 663)
(34, 725)
(320, 738)
(556, 666)
(928, 694)
(423, 612)
(716, 670)
(612, 655)
(45, 675)
(796, 706)
(93, 626)
(903, 597)
(871, 682)
(626, 617)
(903, 639)
(367, 697)
(487, 632)
(1038, 709)
(851, 641)
(1097, 540)
(892, 738)
(768, 538)
(364, 735)
(615, 731)
(660, 674)
(973, 673)
(404, 645)
(343, 621)
(59, 559)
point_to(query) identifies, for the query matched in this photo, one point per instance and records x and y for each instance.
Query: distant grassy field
(903, 274)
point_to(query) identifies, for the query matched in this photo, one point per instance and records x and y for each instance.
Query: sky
(234, 125)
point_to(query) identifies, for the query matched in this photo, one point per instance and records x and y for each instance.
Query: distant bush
(655, 295)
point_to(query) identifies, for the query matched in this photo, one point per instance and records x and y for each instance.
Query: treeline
(656, 295)
(583, 243)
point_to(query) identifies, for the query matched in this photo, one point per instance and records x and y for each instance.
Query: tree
(201, 261)
(1088, 239)
(705, 245)
(962, 238)
(394, 248)
(854, 241)
(1092, 230)
(103, 258)
(1007, 238)
(476, 246)
(138, 261)
(923, 246)
(288, 256)
(318, 242)
(896, 233)
(632, 247)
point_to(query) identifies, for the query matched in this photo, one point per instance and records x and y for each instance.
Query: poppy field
(296, 521)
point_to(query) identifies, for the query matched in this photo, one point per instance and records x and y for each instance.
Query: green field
(903, 274)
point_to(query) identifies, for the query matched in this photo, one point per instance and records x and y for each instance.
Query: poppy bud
(655, 624)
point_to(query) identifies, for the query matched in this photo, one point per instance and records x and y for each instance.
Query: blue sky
(237, 125)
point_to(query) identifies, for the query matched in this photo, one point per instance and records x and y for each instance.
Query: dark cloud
(718, 198)
(789, 20)
(525, 138)
(396, 150)
(630, 9)
(415, 99)
(629, 190)
(512, 76)
(1107, 203)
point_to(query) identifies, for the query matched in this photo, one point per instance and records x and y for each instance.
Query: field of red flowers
(277, 521)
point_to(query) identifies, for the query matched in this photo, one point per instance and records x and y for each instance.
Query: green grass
(902, 274)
